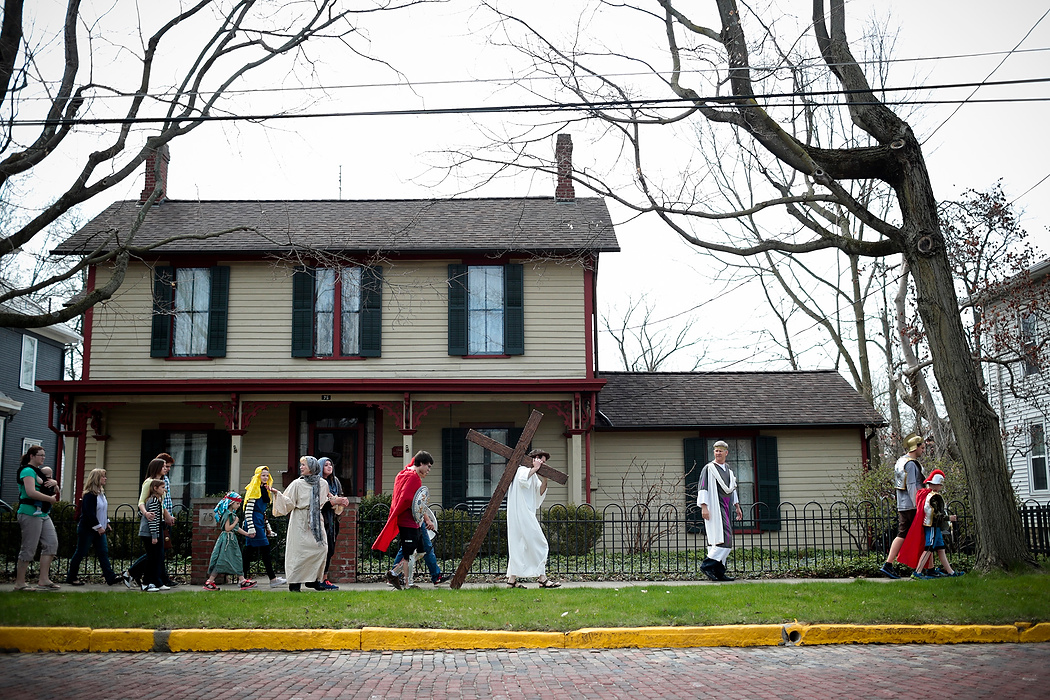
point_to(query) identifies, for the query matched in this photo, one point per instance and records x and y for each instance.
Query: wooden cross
(515, 458)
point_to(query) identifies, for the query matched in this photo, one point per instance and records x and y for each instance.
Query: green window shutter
(453, 467)
(767, 477)
(371, 311)
(153, 443)
(695, 459)
(218, 311)
(163, 310)
(217, 465)
(514, 310)
(302, 313)
(457, 310)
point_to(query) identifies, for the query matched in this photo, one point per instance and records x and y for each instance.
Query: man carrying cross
(525, 541)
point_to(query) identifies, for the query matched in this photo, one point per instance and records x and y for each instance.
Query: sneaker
(210, 586)
(278, 582)
(126, 578)
(327, 585)
(394, 580)
(164, 588)
(151, 589)
(887, 570)
(938, 573)
(921, 577)
(442, 578)
(956, 573)
(247, 583)
(171, 584)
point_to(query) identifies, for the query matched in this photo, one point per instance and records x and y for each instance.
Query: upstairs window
(190, 310)
(486, 310)
(337, 312)
(1030, 345)
(27, 373)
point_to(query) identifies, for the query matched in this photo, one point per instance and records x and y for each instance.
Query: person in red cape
(925, 536)
(400, 522)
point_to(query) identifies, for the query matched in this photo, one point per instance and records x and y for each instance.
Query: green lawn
(989, 599)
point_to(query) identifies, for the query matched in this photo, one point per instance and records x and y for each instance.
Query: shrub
(371, 517)
(572, 530)
(456, 527)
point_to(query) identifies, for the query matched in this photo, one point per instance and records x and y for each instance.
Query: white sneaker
(151, 589)
(274, 583)
(164, 588)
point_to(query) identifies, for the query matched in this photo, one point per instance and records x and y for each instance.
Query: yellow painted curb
(44, 638)
(384, 638)
(901, 634)
(678, 637)
(121, 640)
(265, 639)
(1039, 632)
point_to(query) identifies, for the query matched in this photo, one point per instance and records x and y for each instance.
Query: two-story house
(366, 330)
(1018, 385)
(28, 355)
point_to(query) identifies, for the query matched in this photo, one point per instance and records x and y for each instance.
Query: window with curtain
(1040, 480)
(337, 312)
(27, 374)
(192, 308)
(485, 310)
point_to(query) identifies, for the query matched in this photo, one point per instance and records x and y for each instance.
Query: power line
(978, 87)
(662, 103)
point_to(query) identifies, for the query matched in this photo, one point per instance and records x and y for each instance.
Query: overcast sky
(391, 156)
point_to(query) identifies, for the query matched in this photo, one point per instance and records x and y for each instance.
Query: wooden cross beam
(515, 458)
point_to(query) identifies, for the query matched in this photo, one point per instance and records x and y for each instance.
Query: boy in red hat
(924, 538)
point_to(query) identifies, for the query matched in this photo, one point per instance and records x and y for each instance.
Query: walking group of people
(919, 539)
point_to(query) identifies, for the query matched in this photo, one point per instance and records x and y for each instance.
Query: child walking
(226, 557)
(149, 533)
(925, 537)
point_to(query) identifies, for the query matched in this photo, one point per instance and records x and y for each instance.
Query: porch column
(406, 444)
(235, 460)
(575, 468)
(68, 484)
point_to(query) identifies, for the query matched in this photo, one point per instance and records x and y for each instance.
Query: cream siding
(415, 327)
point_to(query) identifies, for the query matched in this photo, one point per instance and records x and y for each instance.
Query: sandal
(25, 587)
(516, 584)
(49, 586)
(209, 586)
(547, 583)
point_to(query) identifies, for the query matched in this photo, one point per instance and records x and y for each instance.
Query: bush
(456, 528)
(572, 530)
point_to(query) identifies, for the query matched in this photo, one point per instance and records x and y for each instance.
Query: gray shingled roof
(731, 399)
(528, 225)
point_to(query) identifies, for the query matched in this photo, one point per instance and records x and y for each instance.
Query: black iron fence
(616, 542)
(665, 543)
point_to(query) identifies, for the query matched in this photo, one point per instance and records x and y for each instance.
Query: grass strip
(996, 598)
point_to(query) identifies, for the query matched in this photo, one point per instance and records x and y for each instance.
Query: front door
(338, 433)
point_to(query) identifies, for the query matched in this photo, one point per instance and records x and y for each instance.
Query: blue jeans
(428, 555)
(87, 538)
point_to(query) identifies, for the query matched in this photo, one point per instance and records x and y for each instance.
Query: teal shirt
(23, 508)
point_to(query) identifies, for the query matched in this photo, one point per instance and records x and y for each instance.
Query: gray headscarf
(314, 479)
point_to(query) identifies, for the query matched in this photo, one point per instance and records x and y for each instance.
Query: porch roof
(731, 399)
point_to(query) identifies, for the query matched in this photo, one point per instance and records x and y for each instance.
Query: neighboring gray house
(1018, 386)
(28, 355)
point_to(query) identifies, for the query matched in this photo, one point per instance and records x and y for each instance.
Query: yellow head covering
(254, 487)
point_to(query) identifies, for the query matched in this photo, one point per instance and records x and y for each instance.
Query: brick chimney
(156, 172)
(564, 191)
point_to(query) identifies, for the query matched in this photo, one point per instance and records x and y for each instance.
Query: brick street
(1013, 671)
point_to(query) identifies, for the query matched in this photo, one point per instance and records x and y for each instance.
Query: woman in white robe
(525, 540)
(306, 546)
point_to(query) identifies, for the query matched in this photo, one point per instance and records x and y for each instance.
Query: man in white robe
(525, 540)
(717, 496)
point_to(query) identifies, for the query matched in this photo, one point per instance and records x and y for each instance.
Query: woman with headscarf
(306, 545)
(330, 515)
(258, 495)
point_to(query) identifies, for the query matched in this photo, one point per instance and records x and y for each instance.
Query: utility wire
(987, 77)
(663, 103)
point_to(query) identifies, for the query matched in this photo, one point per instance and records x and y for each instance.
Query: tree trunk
(1000, 543)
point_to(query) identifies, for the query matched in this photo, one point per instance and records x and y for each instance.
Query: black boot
(721, 573)
(710, 567)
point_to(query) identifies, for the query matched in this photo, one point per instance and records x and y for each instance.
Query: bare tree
(210, 45)
(642, 346)
(891, 159)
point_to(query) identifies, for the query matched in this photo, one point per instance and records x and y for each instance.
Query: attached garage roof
(731, 399)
